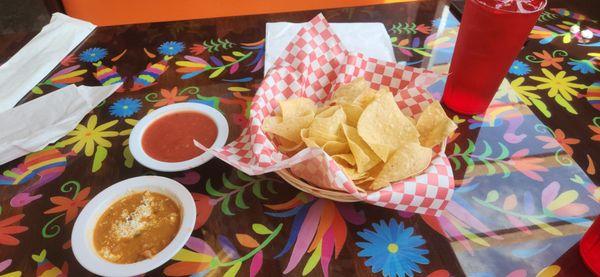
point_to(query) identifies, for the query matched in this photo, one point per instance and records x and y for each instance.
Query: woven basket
(298, 183)
(334, 195)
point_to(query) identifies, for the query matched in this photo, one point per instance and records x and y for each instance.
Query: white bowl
(83, 231)
(135, 139)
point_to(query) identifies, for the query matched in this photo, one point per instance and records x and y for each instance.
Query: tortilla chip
(348, 92)
(336, 147)
(297, 107)
(348, 158)
(364, 156)
(352, 112)
(289, 128)
(410, 159)
(366, 98)
(287, 146)
(384, 127)
(434, 125)
(328, 124)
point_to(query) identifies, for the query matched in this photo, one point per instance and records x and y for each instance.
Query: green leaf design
(456, 149)
(456, 163)
(490, 168)
(261, 229)
(220, 44)
(547, 16)
(233, 270)
(545, 226)
(487, 151)
(244, 177)
(541, 106)
(270, 187)
(256, 191)
(472, 237)
(470, 163)
(577, 179)
(128, 157)
(99, 157)
(471, 147)
(505, 153)
(225, 206)
(37, 90)
(393, 39)
(228, 184)
(239, 200)
(216, 73)
(504, 169)
(237, 53)
(561, 101)
(406, 28)
(492, 196)
(421, 52)
(313, 260)
(212, 191)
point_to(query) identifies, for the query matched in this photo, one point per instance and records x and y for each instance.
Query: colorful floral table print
(524, 168)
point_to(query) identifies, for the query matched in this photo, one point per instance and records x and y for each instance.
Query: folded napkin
(38, 57)
(352, 35)
(32, 126)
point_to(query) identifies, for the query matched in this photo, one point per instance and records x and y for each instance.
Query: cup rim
(541, 8)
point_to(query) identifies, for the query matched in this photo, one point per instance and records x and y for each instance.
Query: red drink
(491, 34)
(589, 247)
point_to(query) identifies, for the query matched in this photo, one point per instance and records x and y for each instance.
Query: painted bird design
(153, 71)
(46, 165)
(149, 75)
(46, 269)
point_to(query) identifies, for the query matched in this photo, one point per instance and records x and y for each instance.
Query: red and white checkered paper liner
(313, 65)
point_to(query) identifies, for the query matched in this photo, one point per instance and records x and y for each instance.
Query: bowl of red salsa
(164, 139)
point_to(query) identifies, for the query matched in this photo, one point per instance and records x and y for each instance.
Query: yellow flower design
(89, 136)
(560, 87)
(558, 83)
(528, 97)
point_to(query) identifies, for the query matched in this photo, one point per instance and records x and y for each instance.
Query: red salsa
(170, 138)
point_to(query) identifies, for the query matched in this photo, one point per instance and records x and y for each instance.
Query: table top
(522, 202)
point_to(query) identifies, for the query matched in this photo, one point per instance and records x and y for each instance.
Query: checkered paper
(313, 65)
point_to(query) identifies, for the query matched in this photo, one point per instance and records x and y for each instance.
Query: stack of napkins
(32, 126)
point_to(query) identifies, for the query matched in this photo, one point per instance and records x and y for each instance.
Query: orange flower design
(170, 97)
(7, 229)
(549, 60)
(559, 139)
(596, 130)
(71, 206)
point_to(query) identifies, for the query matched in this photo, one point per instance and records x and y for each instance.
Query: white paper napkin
(370, 39)
(39, 122)
(37, 58)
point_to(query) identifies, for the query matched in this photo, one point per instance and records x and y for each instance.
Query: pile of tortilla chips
(364, 131)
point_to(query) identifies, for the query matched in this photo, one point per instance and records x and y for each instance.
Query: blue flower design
(583, 66)
(519, 68)
(125, 107)
(393, 249)
(92, 55)
(171, 48)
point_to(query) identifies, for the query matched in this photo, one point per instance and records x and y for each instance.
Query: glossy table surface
(525, 169)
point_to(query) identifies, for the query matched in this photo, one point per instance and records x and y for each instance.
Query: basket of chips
(365, 134)
(346, 127)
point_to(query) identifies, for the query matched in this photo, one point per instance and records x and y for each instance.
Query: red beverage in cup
(589, 247)
(491, 34)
